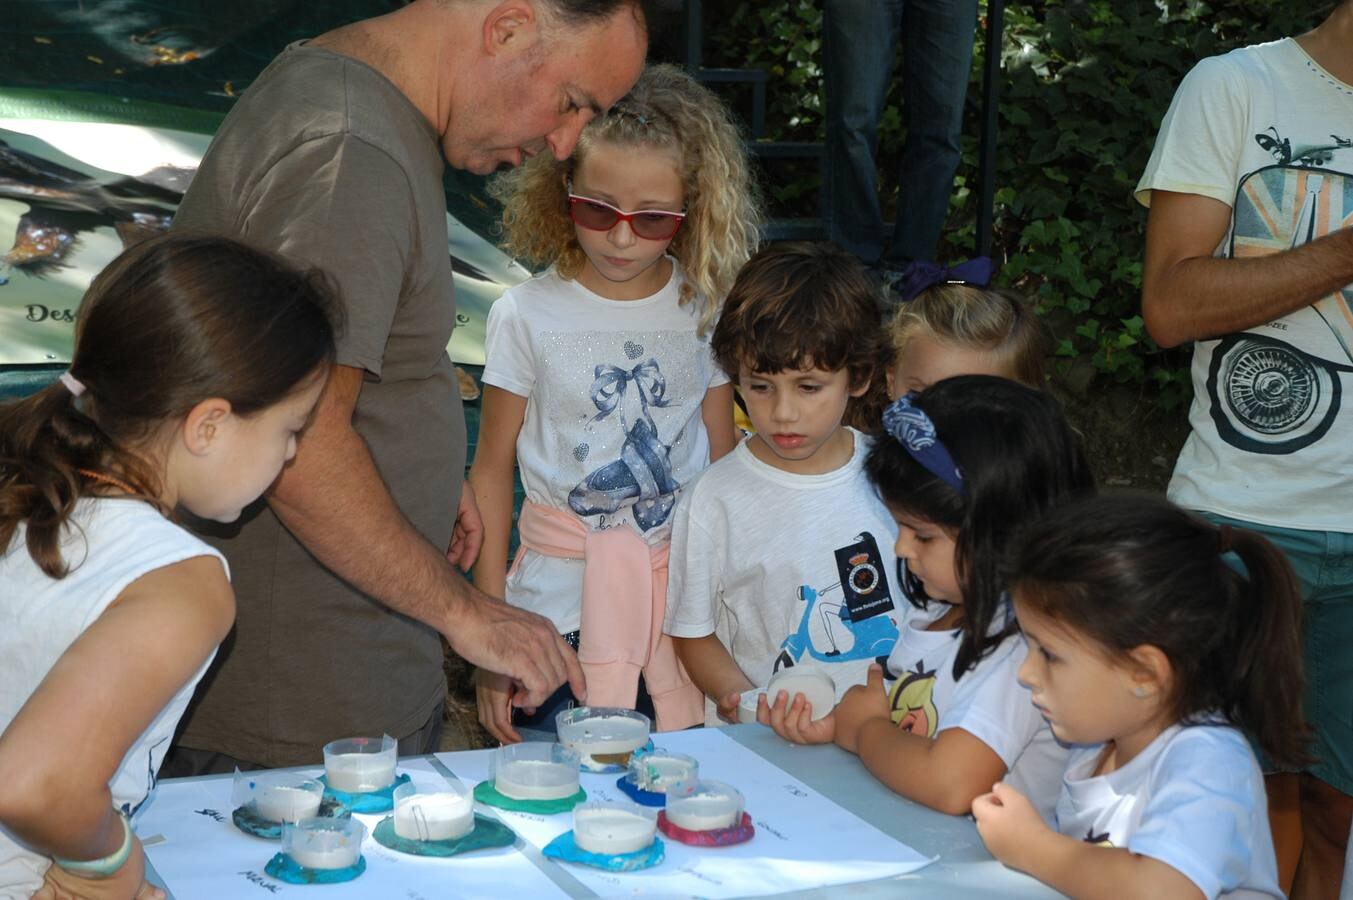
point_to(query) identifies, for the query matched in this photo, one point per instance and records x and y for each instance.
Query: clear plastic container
(704, 805)
(324, 843)
(360, 765)
(613, 828)
(433, 816)
(278, 796)
(602, 735)
(535, 770)
(660, 770)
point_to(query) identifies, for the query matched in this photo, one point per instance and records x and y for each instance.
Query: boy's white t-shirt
(1267, 131)
(988, 702)
(769, 561)
(1193, 799)
(110, 542)
(613, 426)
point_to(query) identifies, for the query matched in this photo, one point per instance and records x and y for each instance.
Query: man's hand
(468, 535)
(793, 720)
(128, 881)
(518, 644)
(860, 704)
(493, 694)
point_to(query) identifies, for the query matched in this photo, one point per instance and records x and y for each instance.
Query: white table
(963, 868)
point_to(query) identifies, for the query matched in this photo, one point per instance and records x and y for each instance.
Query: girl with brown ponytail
(1162, 661)
(197, 363)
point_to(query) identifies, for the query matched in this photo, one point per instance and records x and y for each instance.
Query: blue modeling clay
(566, 848)
(638, 794)
(373, 802)
(284, 868)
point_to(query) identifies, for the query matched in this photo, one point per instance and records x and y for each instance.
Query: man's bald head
(580, 13)
(536, 73)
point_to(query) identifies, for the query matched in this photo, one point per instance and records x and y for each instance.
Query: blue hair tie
(913, 429)
(922, 274)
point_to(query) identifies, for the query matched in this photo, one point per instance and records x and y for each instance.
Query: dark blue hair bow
(923, 274)
(916, 433)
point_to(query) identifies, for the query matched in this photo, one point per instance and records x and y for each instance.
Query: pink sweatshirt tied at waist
(624, 602)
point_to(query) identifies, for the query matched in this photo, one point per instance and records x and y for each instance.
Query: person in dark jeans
(860, 39)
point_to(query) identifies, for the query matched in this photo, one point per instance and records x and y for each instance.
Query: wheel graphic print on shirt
(855, 626)
(1267, 395)
(643, 473)
(911, 701)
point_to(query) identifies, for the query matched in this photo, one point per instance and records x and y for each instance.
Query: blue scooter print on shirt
(863, 581)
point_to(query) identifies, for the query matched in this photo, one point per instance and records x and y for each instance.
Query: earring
(1139, 692)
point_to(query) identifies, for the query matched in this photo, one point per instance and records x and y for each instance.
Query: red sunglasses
(650, 224)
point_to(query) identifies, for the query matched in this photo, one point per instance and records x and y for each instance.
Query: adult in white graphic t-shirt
(1250, 254)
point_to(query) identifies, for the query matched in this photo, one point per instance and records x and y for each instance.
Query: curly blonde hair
(995, 320)
(666, 110)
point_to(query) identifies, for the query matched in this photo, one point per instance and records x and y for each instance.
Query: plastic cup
(535, 771)
(602, 735)
(433, 816)
(360, 765)
(660, 770)
(324, 843)
(278, 796)
(704, 806)
(613, 828)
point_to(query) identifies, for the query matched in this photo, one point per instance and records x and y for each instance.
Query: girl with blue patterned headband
(963, 465)
(601, 388)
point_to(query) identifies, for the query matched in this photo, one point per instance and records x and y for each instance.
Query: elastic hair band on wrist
(108, 865)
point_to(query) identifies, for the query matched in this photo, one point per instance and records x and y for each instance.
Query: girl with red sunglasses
(601, 389)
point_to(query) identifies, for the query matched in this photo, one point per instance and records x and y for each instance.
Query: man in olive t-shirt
(334, 157)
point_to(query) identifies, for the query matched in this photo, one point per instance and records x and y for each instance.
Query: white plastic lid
(816, 686)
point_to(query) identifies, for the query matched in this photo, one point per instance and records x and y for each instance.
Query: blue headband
(921, 275)
(916, 433)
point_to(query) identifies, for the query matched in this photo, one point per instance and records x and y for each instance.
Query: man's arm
(1188, 294)
(332, 498)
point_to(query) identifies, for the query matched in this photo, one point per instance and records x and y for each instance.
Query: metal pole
(694, 38)
(991, 92)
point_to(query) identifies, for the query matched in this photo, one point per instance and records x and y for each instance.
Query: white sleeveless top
(114, 542)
